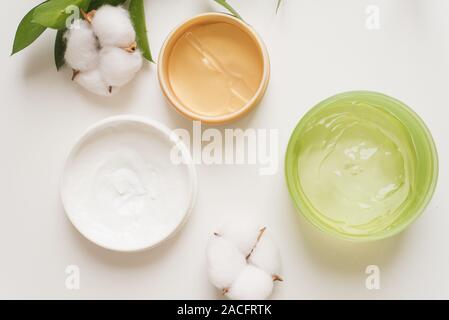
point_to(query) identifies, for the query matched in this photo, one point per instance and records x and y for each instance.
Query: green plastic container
(361, 166)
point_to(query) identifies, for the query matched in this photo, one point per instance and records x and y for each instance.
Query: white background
(318, 48)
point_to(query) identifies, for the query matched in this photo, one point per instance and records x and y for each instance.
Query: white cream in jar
(120, 187)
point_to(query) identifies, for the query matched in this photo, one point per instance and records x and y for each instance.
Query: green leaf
(278, 5)
(225, 4)
(52, 14)
(137, 11)
(27, 32)
(60, 46)
(95, 4)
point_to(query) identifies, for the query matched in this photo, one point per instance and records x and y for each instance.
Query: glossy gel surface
(215, 69)
(355, 165)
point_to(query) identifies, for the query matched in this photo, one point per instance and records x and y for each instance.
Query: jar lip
(164, 79)
(302, 203)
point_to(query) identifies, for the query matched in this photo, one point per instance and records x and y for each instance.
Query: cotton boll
(93, 81)
(113, 27)
(266, 255)
(243, 260)
(225, 262)
(118, 66)
(82, 46)
(243, 234)
(251, 284)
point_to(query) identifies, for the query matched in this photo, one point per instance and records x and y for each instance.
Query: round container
(361, 166)
(128, 184)
(213, 68)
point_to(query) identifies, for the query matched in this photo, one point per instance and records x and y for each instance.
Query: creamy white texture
(120, 188)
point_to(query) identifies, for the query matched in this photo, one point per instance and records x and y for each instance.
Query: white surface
(318, 48)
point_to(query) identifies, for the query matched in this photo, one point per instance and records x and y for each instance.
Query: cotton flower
(82, 46)
(92, 81)
(102, 50)
(243, 261)
(118, 66)
(243, 234)
(113, 27)
(251, 284)
(225, 262)
(266, 255)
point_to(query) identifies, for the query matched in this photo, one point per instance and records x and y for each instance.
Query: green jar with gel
(361, 165)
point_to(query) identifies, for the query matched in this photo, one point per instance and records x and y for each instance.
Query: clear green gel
(361, 165)
(354, 166)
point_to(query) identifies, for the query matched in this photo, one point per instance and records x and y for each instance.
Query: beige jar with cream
(214, 68)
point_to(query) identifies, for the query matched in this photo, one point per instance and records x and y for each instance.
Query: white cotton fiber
(251, 284)
(118, 66)
(100, 49)
(113, 27)
(243, 260)
(225, 262)
(266, 255)
(93, 81)
(242, 234)
(82, 46)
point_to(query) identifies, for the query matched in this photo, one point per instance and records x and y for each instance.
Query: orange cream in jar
(214, 68)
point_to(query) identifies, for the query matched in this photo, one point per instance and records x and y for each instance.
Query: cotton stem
(89, 15)
(277, 278)
(74, 74)
(261, 232)
(132, 48)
